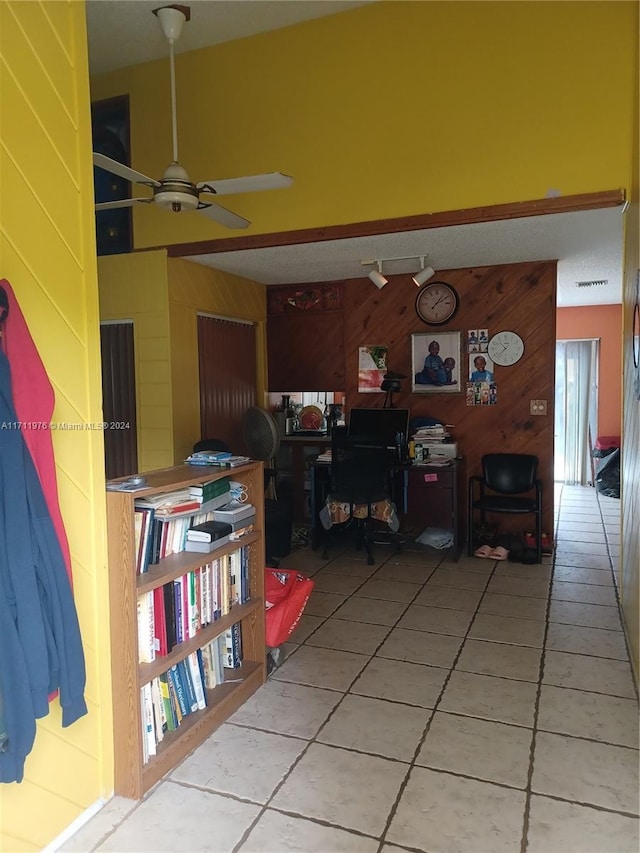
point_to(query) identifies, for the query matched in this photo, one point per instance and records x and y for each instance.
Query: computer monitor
(378, 427)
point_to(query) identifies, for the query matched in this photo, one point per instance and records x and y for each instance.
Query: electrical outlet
(538, 407)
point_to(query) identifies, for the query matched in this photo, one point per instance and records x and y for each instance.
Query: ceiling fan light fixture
(176, 199)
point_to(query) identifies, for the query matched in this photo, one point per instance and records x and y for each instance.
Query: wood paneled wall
(518, 297)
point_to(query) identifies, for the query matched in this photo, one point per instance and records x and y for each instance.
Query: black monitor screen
(378, 427)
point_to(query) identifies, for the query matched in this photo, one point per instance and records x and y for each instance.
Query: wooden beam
(444, 219)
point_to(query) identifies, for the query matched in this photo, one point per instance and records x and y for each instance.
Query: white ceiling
(587, 244)
(123, 32)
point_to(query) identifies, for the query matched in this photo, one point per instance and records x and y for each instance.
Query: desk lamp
(391, 384)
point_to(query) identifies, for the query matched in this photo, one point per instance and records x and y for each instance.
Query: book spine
(188, 686)
(169, 615)
(159, 719)
(177, 593)
(159, 622)
(169, 712)
(180, 690)
(196, 679)
(173, 696)
(149, 727)
(146, 630)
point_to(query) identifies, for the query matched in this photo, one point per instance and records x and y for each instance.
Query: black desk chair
(359, 494)
(508, 485)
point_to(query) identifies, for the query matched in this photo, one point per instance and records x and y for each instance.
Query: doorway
(576, 410)
(119, 398)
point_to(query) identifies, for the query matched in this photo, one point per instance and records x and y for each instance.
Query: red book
(175, 509)
(159, 622)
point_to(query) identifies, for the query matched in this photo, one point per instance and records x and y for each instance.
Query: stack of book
(219, 458)
(217, 491)
(433, 442)
(207, 536)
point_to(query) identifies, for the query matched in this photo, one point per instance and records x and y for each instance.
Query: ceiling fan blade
(251, 184)
(104, 162)
(123, 202)
(223, 216)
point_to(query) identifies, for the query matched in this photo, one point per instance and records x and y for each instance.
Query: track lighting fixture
(419, 278)
(377, 278)
(424, 274)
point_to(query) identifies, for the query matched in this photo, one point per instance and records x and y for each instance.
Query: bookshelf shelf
(133, 777)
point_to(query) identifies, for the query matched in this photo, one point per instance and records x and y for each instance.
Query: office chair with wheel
(508, 485)
(359, 494)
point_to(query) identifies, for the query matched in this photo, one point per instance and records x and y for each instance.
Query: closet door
(119, 399)
(228, 377)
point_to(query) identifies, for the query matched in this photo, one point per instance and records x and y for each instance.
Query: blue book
(187, 684)
(177, 596)
(179, 690)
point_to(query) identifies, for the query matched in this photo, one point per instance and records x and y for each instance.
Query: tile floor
(477, 707)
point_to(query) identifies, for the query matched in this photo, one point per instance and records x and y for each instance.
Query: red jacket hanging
(34, 401)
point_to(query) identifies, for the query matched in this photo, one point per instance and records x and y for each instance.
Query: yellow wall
(47, 252)
(392, 109)
(134, 287)
(162, 297)
(192, 289)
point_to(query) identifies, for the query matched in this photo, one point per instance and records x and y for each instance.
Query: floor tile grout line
(427, 728)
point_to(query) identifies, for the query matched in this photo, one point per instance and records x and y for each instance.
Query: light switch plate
(538, 407)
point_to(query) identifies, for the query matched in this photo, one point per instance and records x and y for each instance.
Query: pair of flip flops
(489, 553)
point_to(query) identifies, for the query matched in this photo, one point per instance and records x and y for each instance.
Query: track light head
(424, 274)
(377, 278)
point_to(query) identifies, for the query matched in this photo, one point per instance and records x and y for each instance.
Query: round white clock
(505, 348)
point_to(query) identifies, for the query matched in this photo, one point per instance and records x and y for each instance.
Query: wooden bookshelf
(132, 776)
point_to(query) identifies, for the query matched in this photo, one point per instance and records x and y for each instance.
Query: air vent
(595, 283)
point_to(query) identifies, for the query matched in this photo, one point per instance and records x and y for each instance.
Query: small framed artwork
(436, 362)
(480, 367)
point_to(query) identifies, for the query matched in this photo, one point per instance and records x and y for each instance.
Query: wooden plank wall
(518, 297)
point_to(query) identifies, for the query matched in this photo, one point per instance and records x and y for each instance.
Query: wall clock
(436, 303)
(505, 348)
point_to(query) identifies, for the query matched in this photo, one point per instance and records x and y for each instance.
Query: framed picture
(436, 362)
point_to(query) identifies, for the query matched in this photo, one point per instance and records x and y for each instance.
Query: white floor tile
(279, 833)
(244, 762)
(328, 784)
(586, 772)
(571, 828)
(176, 817)
(486, 750)
(441, 813)
(335, 761)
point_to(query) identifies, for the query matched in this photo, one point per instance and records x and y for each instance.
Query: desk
(425, 496)
(294, 458)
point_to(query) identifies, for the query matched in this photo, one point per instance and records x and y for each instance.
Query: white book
(146, 628)
(149, 726)
(196, 678)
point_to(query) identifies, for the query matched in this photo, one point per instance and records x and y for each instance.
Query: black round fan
(261, 434)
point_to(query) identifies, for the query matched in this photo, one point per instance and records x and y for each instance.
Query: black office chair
(508, 485)
(359, 494)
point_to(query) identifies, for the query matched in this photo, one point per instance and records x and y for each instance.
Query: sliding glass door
(576, 410)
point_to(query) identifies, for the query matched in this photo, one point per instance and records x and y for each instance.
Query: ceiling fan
(175, 191)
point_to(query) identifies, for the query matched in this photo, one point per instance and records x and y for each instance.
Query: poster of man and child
(437, 364)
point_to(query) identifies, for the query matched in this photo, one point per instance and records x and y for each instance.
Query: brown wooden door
(227, 359)
(119, 399)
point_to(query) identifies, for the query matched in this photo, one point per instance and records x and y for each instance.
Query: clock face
(505, 348)
(436, 303)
